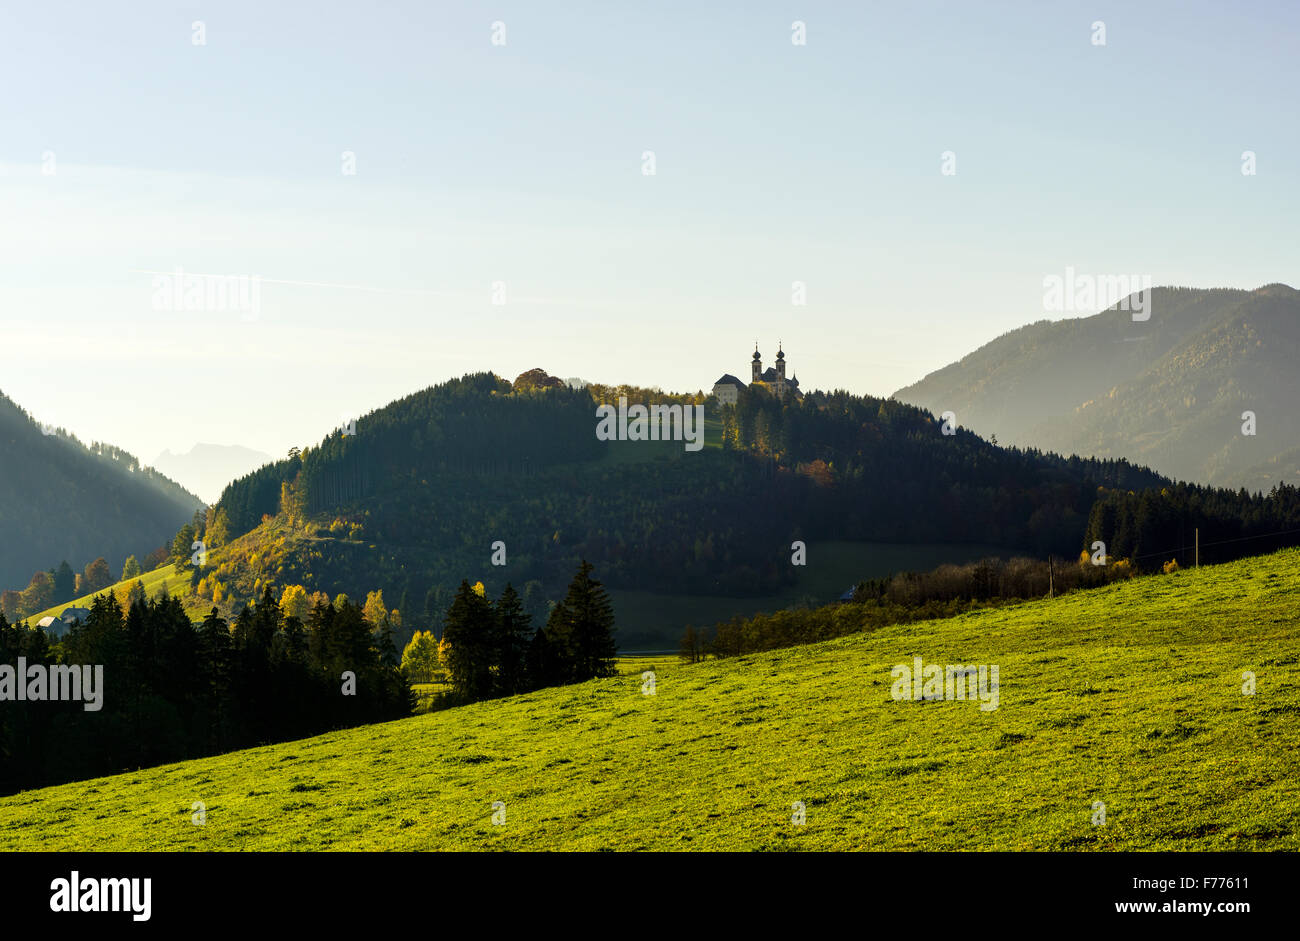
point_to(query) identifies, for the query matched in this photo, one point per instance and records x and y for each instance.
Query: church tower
(757, 365)
(780, 365)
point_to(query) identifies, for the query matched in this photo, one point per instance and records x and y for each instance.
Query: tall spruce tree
(581, 629)
(468, 633)
(385, 643)
(214, 659)
(543, 665)
(513, 634)
(65, 583)
(557, 647)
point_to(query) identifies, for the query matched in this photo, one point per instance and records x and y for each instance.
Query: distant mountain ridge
(1168, 393)
(207, 468)
(60, 499)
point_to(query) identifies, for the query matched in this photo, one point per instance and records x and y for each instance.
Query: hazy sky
(126, 148)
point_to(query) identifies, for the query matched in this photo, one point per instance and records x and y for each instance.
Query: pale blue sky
(521, 163)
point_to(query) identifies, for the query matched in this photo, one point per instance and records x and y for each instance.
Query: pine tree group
(176, 693)
(492, 650)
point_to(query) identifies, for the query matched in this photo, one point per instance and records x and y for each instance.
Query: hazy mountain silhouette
(1168, 393)
(62, 500)
(207, 468)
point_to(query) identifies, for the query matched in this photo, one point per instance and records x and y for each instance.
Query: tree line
(903, 598)
(174, 691)
(489, 648)
(60, 585)
(1154, 526)
(1129, 534)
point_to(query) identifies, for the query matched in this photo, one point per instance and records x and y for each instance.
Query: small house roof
(729, 380)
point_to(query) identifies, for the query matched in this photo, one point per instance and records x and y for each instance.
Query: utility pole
(1051, 578)
(1198, 547)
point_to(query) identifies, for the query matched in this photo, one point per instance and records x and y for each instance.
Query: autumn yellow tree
(294, 602)
(292, 504)
(217, 531)
(420, 659)
(130, 568)
(129, 593)
(374, 609)
(444, 653)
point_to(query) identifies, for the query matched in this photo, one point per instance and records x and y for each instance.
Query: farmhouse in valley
(58, 624)
(727, 389)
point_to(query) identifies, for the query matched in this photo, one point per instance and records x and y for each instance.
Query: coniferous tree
(354, 643)
(320, 633)
(559, 647)
(581, 629)
(543, 665)
(468, 634)
(593, 626)
(385, 643)
(514, 631)
(214, 648)
(182, 545)
(65, 583)
(173, 691)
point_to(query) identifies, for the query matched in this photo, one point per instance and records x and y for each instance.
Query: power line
(1219, 542)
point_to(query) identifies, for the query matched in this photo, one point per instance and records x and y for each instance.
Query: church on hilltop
(727, 389)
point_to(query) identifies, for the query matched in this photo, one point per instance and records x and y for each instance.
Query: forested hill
(413, 501)
(1168, 392)
(473, 425)
(62, 500)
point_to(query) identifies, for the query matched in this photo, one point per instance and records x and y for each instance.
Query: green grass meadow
(175, 581)
(1130, 695)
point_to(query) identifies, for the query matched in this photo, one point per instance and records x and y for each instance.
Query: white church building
(727, 389)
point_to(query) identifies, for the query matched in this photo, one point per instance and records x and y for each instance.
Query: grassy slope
(1129, 695)
(177, 583)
